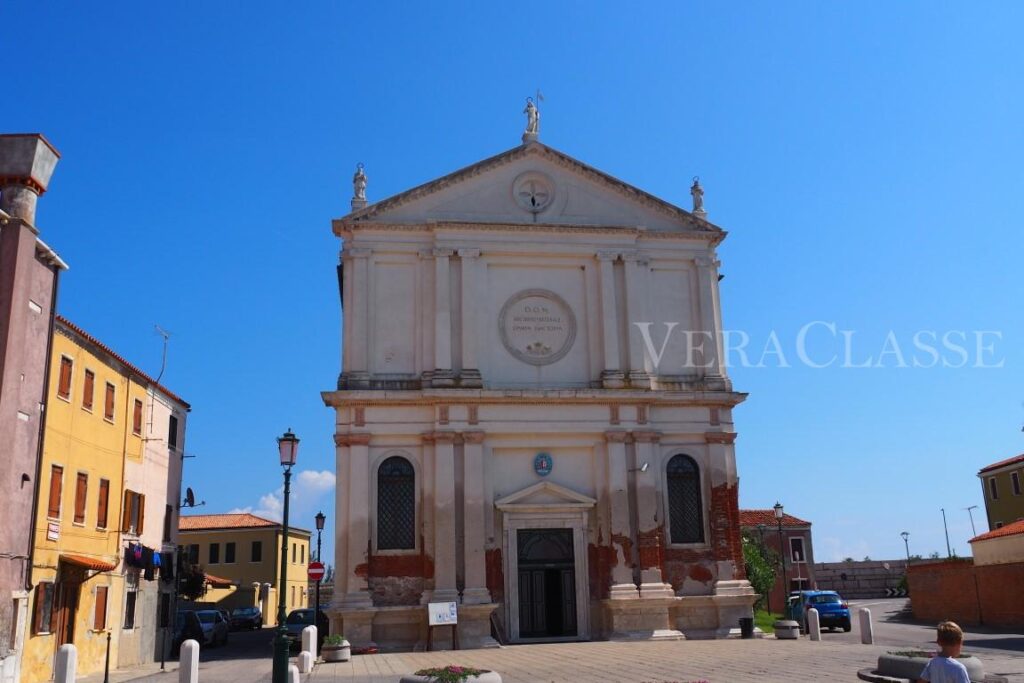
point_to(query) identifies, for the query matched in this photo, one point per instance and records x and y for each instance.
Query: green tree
(191, 581)
(761, 564)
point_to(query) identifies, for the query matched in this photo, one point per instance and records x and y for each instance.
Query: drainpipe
(56, 265)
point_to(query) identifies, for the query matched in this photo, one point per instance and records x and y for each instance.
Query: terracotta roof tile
(88, 562)
(218, 582)
(230, 520)
(767, 517)
(113, 354)
(1011, 529)
(1003, 463)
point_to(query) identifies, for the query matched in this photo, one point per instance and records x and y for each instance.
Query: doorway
(547, 583)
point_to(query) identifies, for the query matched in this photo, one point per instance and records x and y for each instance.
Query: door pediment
(545, 495)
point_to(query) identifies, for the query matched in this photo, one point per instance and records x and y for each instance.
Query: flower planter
(485, 677)
(907, 665)
(336, 653)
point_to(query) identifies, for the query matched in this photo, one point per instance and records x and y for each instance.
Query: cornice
(368, 397)
(352, 439)
(720, 437)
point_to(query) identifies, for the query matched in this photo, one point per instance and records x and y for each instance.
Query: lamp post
(949, 551)
(320, 519)
(764, 556)
(782, 559)
(288, 449)
(971, 513)
(906, 545)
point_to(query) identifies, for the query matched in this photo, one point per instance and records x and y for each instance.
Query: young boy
(943, 668)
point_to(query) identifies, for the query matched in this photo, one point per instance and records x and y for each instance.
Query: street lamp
(782, 560)
(764, 556)
(971, 513)
(320, 519)
(288, 449)
(905, 536)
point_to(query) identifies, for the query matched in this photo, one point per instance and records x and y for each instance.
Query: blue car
(833, 611)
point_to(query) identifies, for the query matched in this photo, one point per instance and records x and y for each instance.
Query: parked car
(226, 614)
(833, 611)
(186, 627)
(246, 618)
(215, 627)
(299, 619)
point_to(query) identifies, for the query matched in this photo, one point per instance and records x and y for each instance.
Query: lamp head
(905, 535)
(288, 448)
(320, 519)
(778, 511)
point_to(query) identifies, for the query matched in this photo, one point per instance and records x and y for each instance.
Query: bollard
(309, 640)
(305, 660)
(65, 664)
(293, 674)
(813, 624)
(867, 632)
(188, 665)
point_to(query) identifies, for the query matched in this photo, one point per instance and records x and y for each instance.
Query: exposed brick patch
(682, 564)
(397, 579)
(726, 540)
(699, 572)
(650, 546)
(626, 544)
(495, 574)
(600, 560)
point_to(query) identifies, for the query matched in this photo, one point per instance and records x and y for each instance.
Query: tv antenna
(163, 358)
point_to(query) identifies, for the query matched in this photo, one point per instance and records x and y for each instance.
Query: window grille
(396, 505)
(686, 514)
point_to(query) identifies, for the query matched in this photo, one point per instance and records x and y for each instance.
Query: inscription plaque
(537, 326)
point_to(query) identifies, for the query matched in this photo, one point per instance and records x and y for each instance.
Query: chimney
(26, 164)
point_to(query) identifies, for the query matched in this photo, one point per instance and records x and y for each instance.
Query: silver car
(215, 627)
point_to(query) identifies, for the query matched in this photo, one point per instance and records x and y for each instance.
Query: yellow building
(98, 422)
(1003, 485)
(241, 554)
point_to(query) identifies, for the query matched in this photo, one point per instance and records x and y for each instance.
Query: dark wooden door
(547, 583)
(67, 607)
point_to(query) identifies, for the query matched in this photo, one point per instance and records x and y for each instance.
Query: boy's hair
(950, 633)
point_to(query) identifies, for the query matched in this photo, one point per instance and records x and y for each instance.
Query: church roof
(630, 191)
(767, 517)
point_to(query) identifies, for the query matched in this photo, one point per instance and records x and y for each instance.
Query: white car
(215, 627)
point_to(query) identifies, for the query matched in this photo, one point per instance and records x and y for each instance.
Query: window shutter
(81, 490)
(64, 383)
(37, 616)
(55, 599)
(108, 410)
(100, 622)
(137, 417)
(142, 512)
(126, 515)
(101, 510)
(56, 476)
(88, 389)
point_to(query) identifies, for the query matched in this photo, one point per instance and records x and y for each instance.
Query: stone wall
(958, 590)
(862, 579)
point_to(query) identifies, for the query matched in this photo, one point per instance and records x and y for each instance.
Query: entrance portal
(547, 583)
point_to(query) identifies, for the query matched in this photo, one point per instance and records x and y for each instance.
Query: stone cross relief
(533, 193)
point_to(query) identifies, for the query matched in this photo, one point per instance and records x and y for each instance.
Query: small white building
(506, 437)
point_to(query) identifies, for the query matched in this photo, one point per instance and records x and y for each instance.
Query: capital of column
(707, 261)
(646, 436)
(720, 437)
(469, 253)
(351, 439)
(473, 437)
(425, 253)
(440, 437)
(616, 436)
(442, 252)
(606, 255)
(357, 252)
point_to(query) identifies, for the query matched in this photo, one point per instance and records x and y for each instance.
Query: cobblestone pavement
(716, 661)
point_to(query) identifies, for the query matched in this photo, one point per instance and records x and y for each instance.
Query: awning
(93, 563)
(218, 582)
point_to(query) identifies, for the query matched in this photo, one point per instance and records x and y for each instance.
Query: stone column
(357, 320)
(444, 518)
(710, 325)
(473, 495)
(651, 532)
(622, 586)
(357, 490)
(636, 311)
(443, 375)
(425, 315)
(611, 377)
(470, 376)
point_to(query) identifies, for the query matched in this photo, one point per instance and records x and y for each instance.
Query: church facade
(533, 418)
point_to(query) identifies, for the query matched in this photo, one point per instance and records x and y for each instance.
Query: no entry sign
(315, 571)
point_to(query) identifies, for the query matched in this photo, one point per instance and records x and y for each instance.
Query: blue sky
(864, 158)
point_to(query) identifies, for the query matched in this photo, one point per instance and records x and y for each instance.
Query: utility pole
(969, 509)
(949, 551)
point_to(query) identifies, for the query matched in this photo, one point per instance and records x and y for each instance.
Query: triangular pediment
(531, 183)
(545, 494)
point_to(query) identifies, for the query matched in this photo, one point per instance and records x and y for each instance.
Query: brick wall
(957, 590)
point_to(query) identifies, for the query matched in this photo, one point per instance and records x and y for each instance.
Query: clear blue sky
(866, 160)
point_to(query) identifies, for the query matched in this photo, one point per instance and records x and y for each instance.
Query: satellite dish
(190, 498)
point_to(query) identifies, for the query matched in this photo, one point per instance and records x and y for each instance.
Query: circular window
(533, 191)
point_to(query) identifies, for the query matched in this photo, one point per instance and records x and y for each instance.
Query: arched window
(685, 511)
(396, 505)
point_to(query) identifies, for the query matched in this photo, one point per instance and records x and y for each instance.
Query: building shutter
(81, 490)
(137, 417)
(100, 621)
(64, 382)
(56, 483)
(126, 515)
(108, 406)
(142, 513)
(88, 389)
(101, 508)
